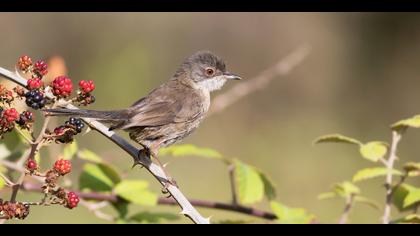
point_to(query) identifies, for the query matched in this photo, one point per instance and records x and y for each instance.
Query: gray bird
(170, 112)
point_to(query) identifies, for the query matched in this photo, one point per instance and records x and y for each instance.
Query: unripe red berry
(86, 86)
(72, 200)
(31, 165)
(10, 115)
(59, 130)
(62, 166)
(40, 68)
(24, 63)
(35, 83)
(62, 86)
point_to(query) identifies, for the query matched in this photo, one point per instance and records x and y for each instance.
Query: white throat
(213, 84)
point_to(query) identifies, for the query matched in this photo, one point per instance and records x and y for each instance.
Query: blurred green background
(361, 76)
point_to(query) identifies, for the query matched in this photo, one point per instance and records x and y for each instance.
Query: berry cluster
(72, 200)
(35, 99)
(24, 63)
(35, 83)
(62, 167)
(66, 132)
(86, 86)
(7, 119)
(10, 210)
(62, 86)
(40, 68)
(26, 120)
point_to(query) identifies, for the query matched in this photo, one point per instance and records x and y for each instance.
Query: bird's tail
(109, 116)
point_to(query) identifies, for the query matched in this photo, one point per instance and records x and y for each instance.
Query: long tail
(110, 116)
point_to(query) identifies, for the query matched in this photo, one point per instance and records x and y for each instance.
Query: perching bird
(170, 112)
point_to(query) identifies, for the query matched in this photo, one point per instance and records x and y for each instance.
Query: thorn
(184, 212)
(165, 165)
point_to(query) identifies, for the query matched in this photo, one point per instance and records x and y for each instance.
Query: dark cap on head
(202, 59)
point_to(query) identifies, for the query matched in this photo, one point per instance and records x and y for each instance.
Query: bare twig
(168, 201)
(396, 137)
(349, 205)
(6, 180)
(187, 209)
(282, 68)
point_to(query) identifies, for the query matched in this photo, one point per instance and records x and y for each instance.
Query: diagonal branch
(187, 208)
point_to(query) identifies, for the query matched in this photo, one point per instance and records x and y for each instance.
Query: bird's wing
(170, 103)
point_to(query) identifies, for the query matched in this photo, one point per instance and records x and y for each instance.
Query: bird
(170, 112)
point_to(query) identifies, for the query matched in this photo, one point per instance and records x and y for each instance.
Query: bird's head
(207, 71)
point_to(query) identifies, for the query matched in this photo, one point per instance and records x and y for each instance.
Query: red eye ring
(209, 71)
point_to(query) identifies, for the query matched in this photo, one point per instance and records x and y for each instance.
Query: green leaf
(70, 150)
(121, 206)
(327, 195)
(367, 201)
(406, 197)
(190, 150)
(249, 184)
(269, 187)
(336, 138)
(412, 168)
(151, 217)
(402, 125)
(370, 173)
(2, 183)
(288, 215)
(137, 192)
(409, 219)
(374, 151)
(346, 189)
(88, 155)
(98, 177)
(11, 140)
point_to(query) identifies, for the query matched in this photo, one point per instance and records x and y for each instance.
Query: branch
(187, 208)
(347, 209)
(282, 68)
(168, 201)
(396, 137)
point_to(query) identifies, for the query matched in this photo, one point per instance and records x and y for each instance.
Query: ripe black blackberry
(35, 99)
(25, 117)
(76, 123)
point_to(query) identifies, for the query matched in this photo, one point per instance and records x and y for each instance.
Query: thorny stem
(396, 137)
(347, 209)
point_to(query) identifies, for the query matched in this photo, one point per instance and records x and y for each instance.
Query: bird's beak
(231, 76)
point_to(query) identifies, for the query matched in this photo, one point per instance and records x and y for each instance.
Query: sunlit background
(363, 74)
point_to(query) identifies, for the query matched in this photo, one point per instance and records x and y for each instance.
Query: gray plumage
(170, 112)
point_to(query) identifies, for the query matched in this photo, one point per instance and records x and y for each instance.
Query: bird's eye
(209, 71)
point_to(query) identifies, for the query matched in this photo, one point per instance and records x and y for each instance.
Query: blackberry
(35, 99)
(76, 123)
(25, 118)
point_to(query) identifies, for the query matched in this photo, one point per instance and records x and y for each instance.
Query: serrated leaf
(137, 192)
(98, 177)
(327, 195)
(373, 151)
(250, 186)
(346, 189)
(409, 219)
(370, 173)
(413, 122)
(399, 198)
(70, 150)
(153, 218)
(269, 187)
(288, 215)
(190, 150)
(88, 155)
(367, 201)
(337, 138)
